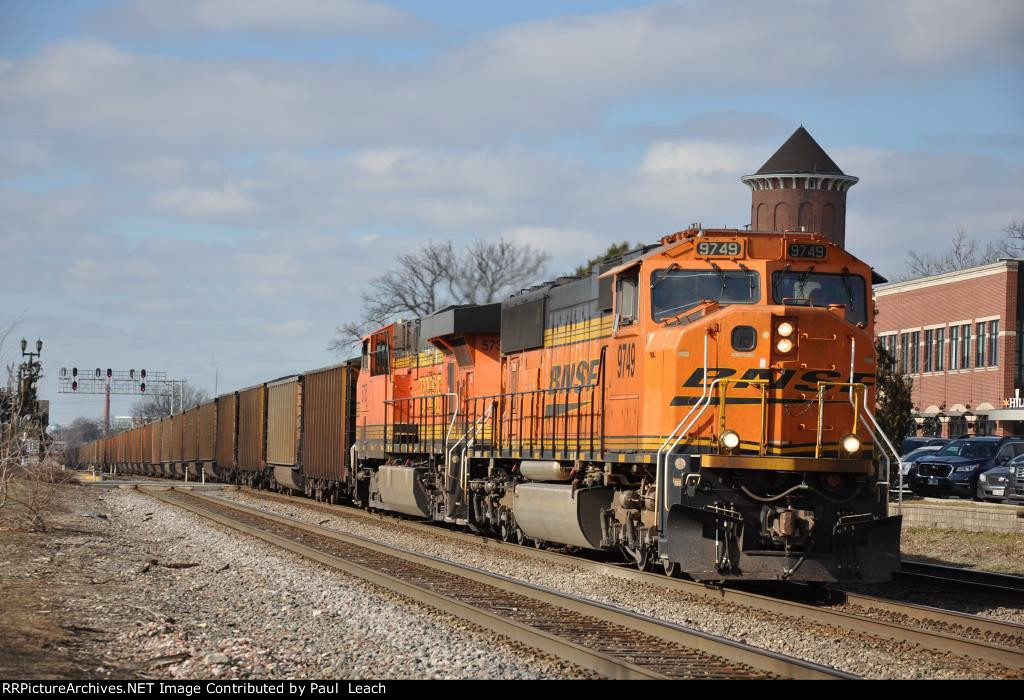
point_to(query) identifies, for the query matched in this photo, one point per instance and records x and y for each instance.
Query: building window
(979, 341)
(993, 343)
(965, 346)
(929, 350)
(954, 347)
(940, 349)
(904, 363)
(915, 352)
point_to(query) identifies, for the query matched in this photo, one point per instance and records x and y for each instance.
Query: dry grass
(988, 551)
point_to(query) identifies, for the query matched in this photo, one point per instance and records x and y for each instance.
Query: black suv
(954, 470)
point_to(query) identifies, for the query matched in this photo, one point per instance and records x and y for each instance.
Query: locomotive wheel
(671, 569)
(521, 537)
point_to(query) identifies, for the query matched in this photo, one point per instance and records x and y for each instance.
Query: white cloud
(262, 16)
(230, 199)
(544, 77)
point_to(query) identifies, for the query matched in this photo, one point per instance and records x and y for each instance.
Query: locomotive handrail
(661, 450)
(885, 438)
(821, 407)
(447, 394)
(685, 431)
(763, 384)
(471, 428)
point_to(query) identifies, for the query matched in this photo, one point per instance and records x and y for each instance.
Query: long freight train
(701, 405)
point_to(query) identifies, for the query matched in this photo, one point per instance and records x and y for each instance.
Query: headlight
(983, 478)
(850, 443)
(966, 468)
(785, 329)
(784, 345)
(730, 440)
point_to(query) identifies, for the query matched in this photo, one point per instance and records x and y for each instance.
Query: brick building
(956, 335)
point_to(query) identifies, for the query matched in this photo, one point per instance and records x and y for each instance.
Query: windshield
(810, 288)
(965, 448)
(674, 291)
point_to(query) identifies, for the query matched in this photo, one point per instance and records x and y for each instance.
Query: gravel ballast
(187, 598)
(853, 652)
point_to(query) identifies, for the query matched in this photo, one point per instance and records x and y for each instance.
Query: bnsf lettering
(812, 378)
(581, 373)
(779, 379)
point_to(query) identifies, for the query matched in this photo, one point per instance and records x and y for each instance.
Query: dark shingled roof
(800, 154)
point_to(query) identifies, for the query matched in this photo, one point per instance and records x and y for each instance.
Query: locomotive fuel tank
(400, 489)
(561, 513)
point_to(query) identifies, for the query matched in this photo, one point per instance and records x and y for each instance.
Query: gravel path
(249, 610)
(853, 652)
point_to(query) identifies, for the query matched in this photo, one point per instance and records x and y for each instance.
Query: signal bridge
(119, 382)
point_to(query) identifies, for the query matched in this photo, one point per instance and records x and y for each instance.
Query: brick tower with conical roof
(800, 187)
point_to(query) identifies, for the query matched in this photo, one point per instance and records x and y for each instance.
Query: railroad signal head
(110, 373)
(143, 373)
(131, 374)
(63, 371)
(74, 371)
(142, 387)
(99, 373)
(74, 386)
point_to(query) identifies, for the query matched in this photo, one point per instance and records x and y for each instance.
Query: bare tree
(80, 431)
(962, 253)
(437, 275)
(155, 406)
(1013, 244)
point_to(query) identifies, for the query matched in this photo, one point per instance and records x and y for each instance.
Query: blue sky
(208, 184)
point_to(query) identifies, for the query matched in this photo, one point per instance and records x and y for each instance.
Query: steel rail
(712, 653)
(961, 637)
(990, 580)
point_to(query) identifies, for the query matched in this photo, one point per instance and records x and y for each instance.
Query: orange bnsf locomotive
(702, 405)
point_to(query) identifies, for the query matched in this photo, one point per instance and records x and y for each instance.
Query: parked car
(907, 460)
(1015, 482)
(912, 443)
(905, 463)
(992, 484)
(955, 469)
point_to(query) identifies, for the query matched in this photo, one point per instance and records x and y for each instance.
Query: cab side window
(380, 358)
(626, 298)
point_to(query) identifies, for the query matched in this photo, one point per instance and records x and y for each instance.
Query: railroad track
(947, 575)
(613, 642)
(978, 637)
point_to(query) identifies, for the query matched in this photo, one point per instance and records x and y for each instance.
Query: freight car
(701, 405)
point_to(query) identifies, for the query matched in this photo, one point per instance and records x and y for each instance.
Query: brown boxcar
(155, 443)
(206, 450)
(251, 431)
(177, 441)
(166, 438)
(227, 434)
(328, 429)
(145, 447)
(284, 426)
(190, 442)
(190, 435)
